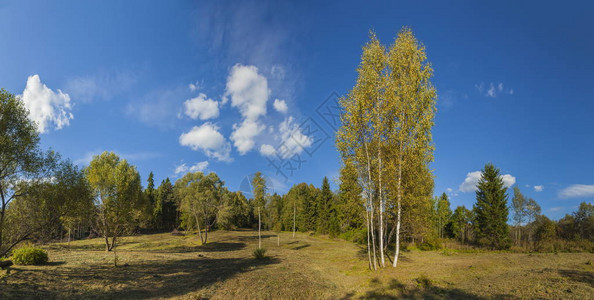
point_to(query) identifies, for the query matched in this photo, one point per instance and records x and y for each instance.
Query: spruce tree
(491, 210)
(324, 202)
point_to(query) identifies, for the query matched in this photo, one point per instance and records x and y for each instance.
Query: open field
(168, 266)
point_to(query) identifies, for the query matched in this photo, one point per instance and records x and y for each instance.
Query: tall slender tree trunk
(294, 213)
(368, 236)
(399, 199)
(259, 229)
(370, 199)
(199, 230)
(381, 209)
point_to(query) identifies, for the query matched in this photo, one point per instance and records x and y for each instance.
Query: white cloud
(280, 106)
(198, 167)
(248, 91)
(267, 150)
(470, 182)
(181, 169)
(208, 139)
(449, 190)
(46, 107)
(492, 92)
(538, 188)
(201, 108)
(493, 89)
(472, 179)
(293, 141)
(577, 191)
(508, 180)
(243, 135)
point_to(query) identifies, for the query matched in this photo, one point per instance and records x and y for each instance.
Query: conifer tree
(491, 210)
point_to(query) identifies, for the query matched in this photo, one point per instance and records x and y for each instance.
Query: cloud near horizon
(577, 191)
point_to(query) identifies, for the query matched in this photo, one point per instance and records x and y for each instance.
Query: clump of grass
(423, 281)
(260, 253)
(589, 262)
(29, 256)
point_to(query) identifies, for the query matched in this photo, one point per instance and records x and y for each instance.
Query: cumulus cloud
(201, 108)
(208, 139)
(280, 106)
(293, 141)
(198, 167)
(538, 188)
(267, 150)
(472, 179)
(577, 191)
(46, 107)
(243, 135)
(248, 91)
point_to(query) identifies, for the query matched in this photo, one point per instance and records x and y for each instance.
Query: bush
(260, 253)
(431, 244)
(356, 235)
(29, 256)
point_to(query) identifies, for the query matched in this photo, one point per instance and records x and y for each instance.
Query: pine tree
(324, 203)
(491, 210)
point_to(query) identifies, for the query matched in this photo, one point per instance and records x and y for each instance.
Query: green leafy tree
(20, 159)
(118, 196)
(491, 210)
(443, 213)
(201, 199)
(519, 203)
(386, 132)
(350, 204)
(461, 224)
(259, 202)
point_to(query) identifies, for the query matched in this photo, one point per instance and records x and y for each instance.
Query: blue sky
(237, 87)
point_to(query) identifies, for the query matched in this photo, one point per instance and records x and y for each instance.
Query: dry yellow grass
(307, 267)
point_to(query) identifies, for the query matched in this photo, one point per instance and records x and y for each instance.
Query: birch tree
(386, 130)
(410, 99)
(360, 133)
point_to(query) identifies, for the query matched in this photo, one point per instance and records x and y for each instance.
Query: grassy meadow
(306, 267)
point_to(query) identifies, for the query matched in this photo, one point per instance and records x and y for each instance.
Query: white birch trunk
(259, 229)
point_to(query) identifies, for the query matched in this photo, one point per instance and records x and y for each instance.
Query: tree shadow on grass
(579, 276)
(253, 237)
(301, 247)
(397, 290)
(221, 247)
(136, 281)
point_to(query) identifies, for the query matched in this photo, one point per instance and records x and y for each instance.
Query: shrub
(260, 253)
(356, 235)
(431, 244)
(29, 256)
